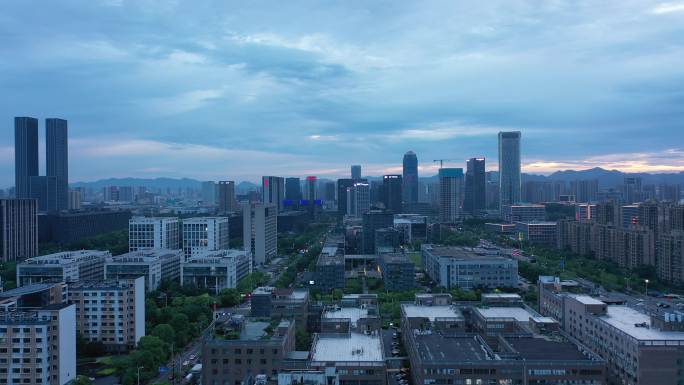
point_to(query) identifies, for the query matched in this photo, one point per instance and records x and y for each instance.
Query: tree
(165, 333)
(229, 297)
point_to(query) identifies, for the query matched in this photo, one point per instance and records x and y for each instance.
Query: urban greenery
(115, 241)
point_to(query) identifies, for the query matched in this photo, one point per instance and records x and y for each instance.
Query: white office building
(153, 233)
(205, 234)
(216, 270)
(155, 265)
(67, 266)
(260, 232)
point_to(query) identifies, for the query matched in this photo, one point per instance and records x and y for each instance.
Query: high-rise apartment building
(110, 312)
(260, 232)
(450, 194)
(25, 154)
(392, 192)
(585, 191)
(475, 187)
(57, 159)
(410, 177)
(356, 172)
(509, 168)
(205, 234)
(18, 229)
(75, 198)
(226, 196)
(146, 233)
(38, 345)
(273, 191)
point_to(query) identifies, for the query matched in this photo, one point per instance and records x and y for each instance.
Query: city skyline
(298, 98)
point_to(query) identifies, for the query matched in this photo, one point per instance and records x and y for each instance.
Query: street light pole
(139, 367)
(646, 281)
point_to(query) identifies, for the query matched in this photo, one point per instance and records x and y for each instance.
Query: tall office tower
(147, 233)
(585, 191)
(374, 220)
(375, 192)
(410, 177)
(329, 191)
(57, 159)
(260, 232)
(391, 191)
(18, 229)
(450, 194)
(631, 190)
(208, 193)
(509, 169)
(358, 199)
(475, 187)
(356, 172)
(310, 188)
(273, 191)
(75, 198)
(25, 154)
(343, 186)
(205, 234)
(226, 196)
(44, 190)
(293, 189)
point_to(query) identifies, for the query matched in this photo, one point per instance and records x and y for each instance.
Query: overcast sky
(235, 90)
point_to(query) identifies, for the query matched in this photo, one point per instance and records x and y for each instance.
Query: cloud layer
(236, 90)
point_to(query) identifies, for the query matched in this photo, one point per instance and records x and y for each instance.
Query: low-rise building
(542, 233)
(468, 268)
(216, 270)
(398, 271)
(501, 228)
(67, 266)
(242, 348)
(110, 312)
(290, 304)
(445, 346)
(352, 315)
(155, 265)
(524, 213)
(357, 358)
(640, 349)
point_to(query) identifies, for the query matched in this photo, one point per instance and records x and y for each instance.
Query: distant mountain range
(607, 178)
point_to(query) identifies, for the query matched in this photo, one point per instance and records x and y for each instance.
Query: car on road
(193, 356)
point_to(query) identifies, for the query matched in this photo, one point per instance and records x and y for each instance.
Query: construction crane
(441, 161)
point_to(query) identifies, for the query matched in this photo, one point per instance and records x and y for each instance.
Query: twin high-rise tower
(51, 190)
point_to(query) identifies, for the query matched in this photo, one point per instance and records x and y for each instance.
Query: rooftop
(144, 256)
(354, 314)
(587, 300)
(436, 348)
(215, 256)
(520, 314)
(463, 253)
(100, 285)
(546, 350)
(65, 257)
(395, 258)
(431, 312)
(355, 347)
(28, 289)
(626, 319)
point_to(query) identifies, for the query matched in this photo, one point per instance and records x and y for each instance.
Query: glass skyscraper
(25, 154)
(57, 159)
(509, 168)
(410, 177)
